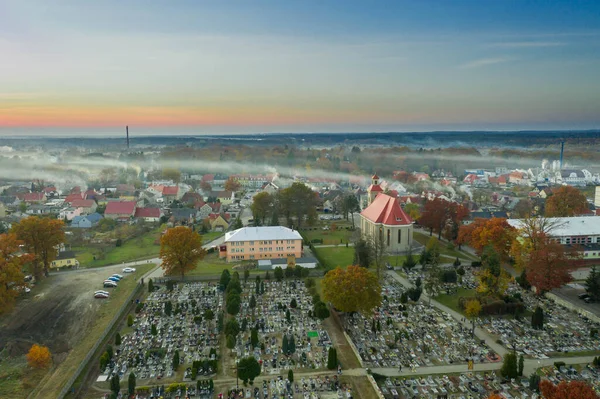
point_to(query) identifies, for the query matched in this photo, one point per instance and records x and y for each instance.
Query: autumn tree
(363, 253)
(205, 186)
(482, 233)
(492, 279)
(298, 201)
(550, 266)
(567, 390)
(355, 289)
(39, 356)
(566, 201)
(232, 185)
(42, 237)
(180, 250)
(172, 174)
(472, 310)
(262, 206)
(413, 211)
(11, 266)
(442, 216)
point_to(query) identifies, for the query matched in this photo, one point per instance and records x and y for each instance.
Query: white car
(109, 284)
(129, 270)
(101, 292)
(101, 295)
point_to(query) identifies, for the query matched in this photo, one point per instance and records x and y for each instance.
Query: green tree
(521, 365)
(288, 316)
(168, 308)
(410, 261)
(117, 339)
(278, 273)
(292, 344)
(131, 384)
(129, 320)
(284, 344)
(153, 330)
(150, 285)
(230, 342)
(293, 303)
(115, 384)
(321, 311)
(233, 303)
(509, 367)
(537, 319)
(593, 284)
(209, 314)
(332, 359)
(237, 224)
(363, 253)
(232, 327)
(225, 279)
(291, 376)
(246, 275)
(534, 382)
(176, 360)
(254, 337)
(248, 369)
(262, 206)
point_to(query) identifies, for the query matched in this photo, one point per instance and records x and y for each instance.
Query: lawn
(142, 247)
(17, 378)
(59, 377)
(339, 236)
(452, 300)
(208, 237)
(333, 257)
(444, 251)
(211, 265)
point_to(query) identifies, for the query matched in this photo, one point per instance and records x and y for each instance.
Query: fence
(120, 313)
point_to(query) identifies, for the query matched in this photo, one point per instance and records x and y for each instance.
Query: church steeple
(374, 189)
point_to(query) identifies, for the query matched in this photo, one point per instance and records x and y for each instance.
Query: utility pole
(127, 134)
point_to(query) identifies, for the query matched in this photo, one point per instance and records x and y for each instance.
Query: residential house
(65, 259)
(219, 180)
(219, 222)
(74, 197)
(518, 178)
(215, 206)
(148, 214)
(184, 216)
(251, 181)
(545, 193)
(224, 197)
(170, 193)
(269, 242)
(87, 206)
(125, 190)
(69, 213)
(120, 210)
(203, 209)
(9, 200)
(50, 191)
(270, 188)
(573, 177)
(385, 220)
(34, 198)
(86, 221)
(420, 176)
(191, 197)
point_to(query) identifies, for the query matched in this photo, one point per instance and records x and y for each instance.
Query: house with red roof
(170, 193)
(219, 221)
(120, 210)
(385, 220)
(87, 205)
(148, 214)
(74, 197)
(34, 198)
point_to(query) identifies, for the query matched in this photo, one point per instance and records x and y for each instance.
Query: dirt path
(345, 353)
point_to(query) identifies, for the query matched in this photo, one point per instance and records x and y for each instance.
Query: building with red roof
(123, 210)
(148, 214)
(87, 205)
(385, 220)
(34, 197)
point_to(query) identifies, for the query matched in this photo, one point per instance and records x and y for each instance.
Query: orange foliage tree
(11, 266)
(567, 390)
(550, 265)
(355, 289)
(39, 356)
(41, 237)
(442, 216)
(180, 250)
(232, 185)
(566, 201)
(495, 396)
(482, 233)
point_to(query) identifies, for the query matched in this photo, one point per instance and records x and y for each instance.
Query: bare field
(61, 313)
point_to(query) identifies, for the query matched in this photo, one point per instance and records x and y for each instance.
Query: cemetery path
(481, 334)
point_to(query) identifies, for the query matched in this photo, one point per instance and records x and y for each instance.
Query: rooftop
(386, 210)
(569, 226)
(262, 233)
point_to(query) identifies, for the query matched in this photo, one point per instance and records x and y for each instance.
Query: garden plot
(310, 339)
(563, 331)
(149, 349)
(414, 334)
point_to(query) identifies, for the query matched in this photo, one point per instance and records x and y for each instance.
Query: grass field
(333, 257)
(59, 376)
(208, 237)
(452, 300)
(17, 379)
(211, 264)
(422, 238)
(340, 236)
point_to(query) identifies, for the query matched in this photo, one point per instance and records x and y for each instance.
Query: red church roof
(375, 187)
(385, 209)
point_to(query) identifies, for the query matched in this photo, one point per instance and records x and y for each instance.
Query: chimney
(127, 133)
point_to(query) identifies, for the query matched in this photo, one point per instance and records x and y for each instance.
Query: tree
(509, 366)
(537, 319)
(352, 290)
(131, 384)
(233, 303)
(246, 275)
(209, 314)
(230, 342)
(534, 382)
(205, 186)
(378, 251)
(180, 250)
(254, 337)
(232, 185)
(252, 302)
(472, 310)
(441, 216)
(237, 224)
(11, 266)
(176, 360)
(150, 285)
(332, 361)
(278, 273)
(117, 339)
(262, 206)
(592, 283)
(483, 233)
(413, 211)
(349, 206)
(521, 365)
(168, 308)
(232, 327)
(248, 369)
(288, 316)
(550, 266)
(284, 345)
(39, 356)
(492, 279)
(566, 201)
(153, 330)
(225, 279)
(362, 253)
(115, 384)
(567, 390)
(293, 303)
(410, 260)
(172, 174)
(321, 311)
(291, 376)
(298, 201)
(41, 237)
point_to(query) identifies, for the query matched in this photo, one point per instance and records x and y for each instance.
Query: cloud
(528, 44)
(484, 62)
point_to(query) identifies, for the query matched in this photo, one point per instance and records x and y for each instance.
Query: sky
(210, 67)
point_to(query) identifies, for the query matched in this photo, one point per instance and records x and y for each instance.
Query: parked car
(115, 279)
(584, 296)
(129, 270)
(117, 275)
(101, 295)
(109, 284)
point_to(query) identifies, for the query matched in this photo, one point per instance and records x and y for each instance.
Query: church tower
(374, 188)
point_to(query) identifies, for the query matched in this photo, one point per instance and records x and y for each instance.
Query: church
(385, 217)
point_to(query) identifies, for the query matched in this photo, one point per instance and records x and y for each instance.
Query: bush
(558, 365)
(139, 307)
(448, 276)
(476, 263)
(129, 320)
(119, 242)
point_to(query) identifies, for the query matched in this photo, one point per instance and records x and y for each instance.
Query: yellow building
(219, 222)
(64, 259)
(269, 242)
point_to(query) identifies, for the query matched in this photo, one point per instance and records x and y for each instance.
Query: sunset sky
(91, 67)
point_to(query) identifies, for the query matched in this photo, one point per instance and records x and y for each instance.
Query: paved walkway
(481, 334)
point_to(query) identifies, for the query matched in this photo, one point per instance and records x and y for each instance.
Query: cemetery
(412, 334)
(288, 336)
(179, 321)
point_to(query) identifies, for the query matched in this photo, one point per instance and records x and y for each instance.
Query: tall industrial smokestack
(127, 132)
(562, 150)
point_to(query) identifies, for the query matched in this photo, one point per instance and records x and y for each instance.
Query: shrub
(448, 276)
(139, 307)
(129, 320)
(558, 365)
(476, 263)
